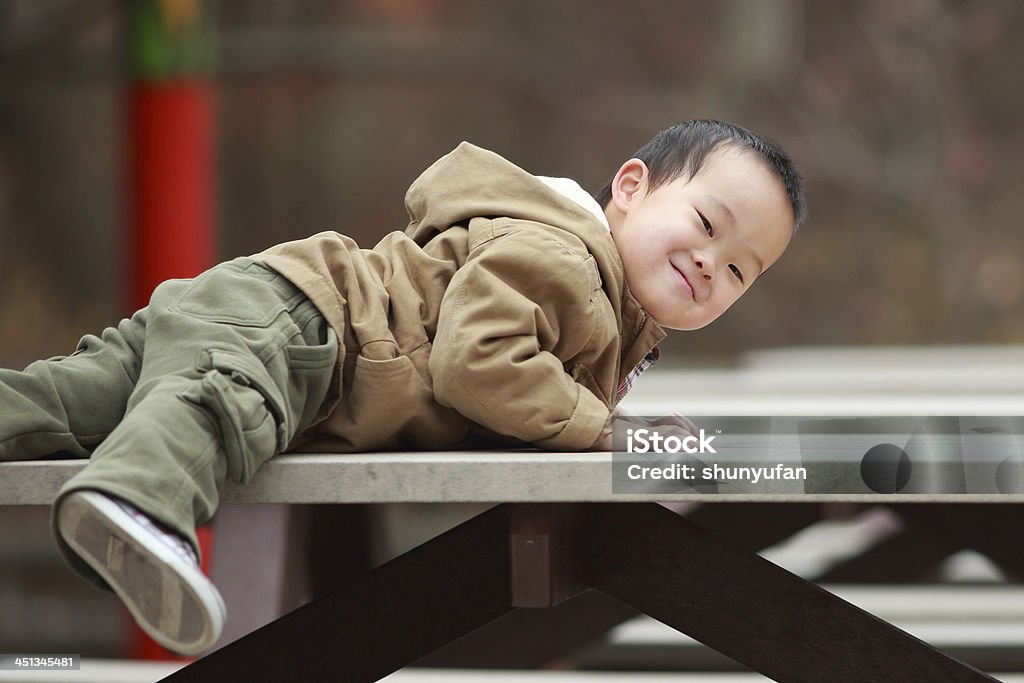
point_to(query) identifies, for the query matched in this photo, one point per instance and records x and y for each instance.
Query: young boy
(513, 307)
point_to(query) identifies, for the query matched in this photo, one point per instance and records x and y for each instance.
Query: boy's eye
(707, 226)
(736, 272)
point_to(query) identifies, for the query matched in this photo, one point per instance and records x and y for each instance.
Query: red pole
(171, 211)
(171, 231)
(170, 222)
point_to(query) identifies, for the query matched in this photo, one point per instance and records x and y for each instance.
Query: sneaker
(154, 572)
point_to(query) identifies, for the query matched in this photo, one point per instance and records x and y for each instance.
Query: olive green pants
(207, 383)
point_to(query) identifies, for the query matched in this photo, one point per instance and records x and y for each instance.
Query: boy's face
(695, 245)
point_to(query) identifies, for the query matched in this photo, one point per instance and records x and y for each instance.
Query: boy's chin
(690, 325)
(688, 320)
(684, 326)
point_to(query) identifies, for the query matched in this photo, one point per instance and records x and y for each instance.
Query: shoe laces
(172, 540)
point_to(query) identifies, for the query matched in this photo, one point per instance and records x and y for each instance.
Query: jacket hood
(470, 181)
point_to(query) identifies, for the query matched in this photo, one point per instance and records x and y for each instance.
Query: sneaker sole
(172, 601)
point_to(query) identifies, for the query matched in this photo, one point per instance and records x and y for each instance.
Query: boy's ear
(630, 180)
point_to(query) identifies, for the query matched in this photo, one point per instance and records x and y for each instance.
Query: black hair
(683, 149)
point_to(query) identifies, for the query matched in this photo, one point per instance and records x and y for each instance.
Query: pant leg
(70, 404)
(236, 363)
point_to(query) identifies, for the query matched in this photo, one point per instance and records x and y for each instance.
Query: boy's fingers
(689, 424)
(677, 420)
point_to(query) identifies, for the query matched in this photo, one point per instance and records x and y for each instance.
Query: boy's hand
(673, 420)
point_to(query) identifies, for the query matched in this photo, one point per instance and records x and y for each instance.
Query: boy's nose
(705, 265)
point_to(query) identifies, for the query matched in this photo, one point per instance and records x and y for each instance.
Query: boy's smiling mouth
(686, 283)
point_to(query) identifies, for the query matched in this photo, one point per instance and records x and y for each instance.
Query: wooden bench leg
(534, 638)
(398, 613)
(545, 636)
(775, 522)
(642, 554)
(748, 608)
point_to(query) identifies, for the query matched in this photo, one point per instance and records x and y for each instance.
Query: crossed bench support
(536, 555)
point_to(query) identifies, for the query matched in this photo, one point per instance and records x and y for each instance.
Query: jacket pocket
(396, 377)
(386, 396)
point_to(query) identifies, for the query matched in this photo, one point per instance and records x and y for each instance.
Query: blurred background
(903, 115)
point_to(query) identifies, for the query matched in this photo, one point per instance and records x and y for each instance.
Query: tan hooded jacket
(501, 310)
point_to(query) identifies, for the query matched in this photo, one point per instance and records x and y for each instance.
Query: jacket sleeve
(520, 304)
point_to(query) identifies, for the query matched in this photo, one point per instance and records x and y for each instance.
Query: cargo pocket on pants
(236, 391)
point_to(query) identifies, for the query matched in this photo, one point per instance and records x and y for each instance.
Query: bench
(499, 476)
(555, 533)
(558, 538)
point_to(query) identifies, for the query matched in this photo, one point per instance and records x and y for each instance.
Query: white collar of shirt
(569, 188)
